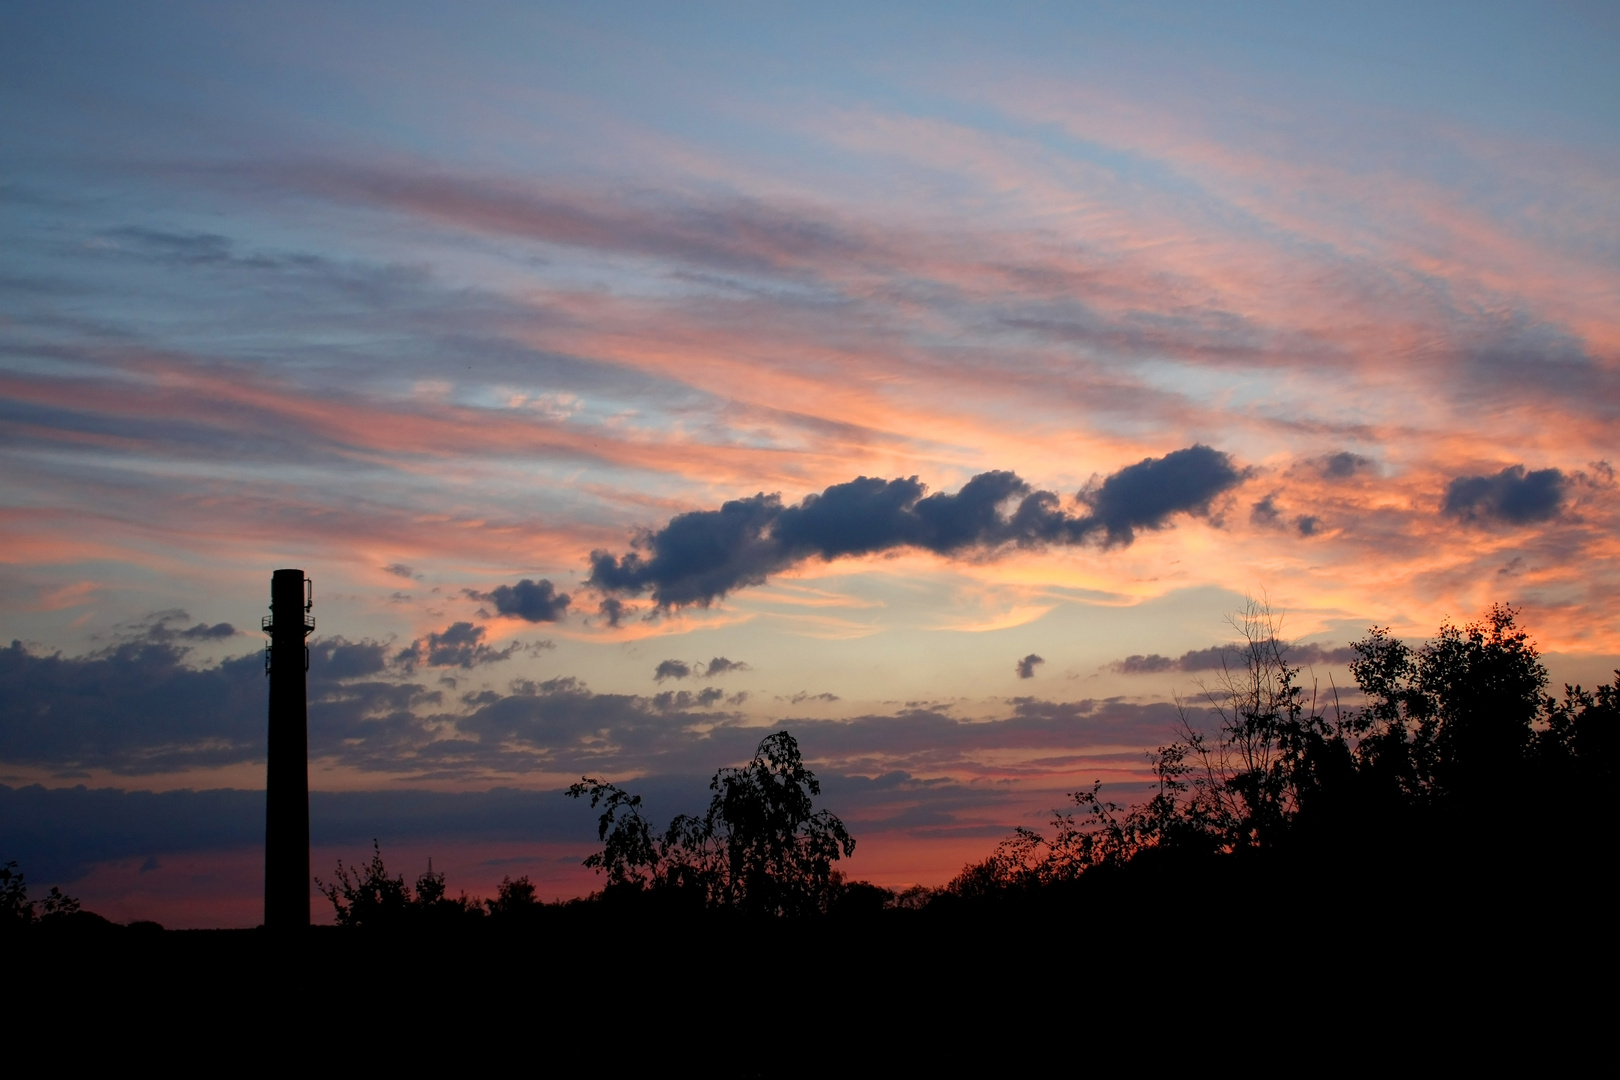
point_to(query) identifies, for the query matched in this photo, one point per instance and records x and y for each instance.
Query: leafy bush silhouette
(760, 848)
(367, 896)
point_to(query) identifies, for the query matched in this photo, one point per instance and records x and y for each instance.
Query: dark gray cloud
(336, 659)
(1265, 512)
(189, 249)
(614, 610)
(59, 834)
(535, 601)
(1026, 666)
(56, 834)
(678, 700)
(1307, 524)
(1230, 655)
(1343, 465)
(157, 628)
(1147, 494)
(720, 666)
(133, 708)
(1512, 496)
(672, 669)
(140, 707)
(699, 557)
(400, 570)
(1138, 664)
(460, 644)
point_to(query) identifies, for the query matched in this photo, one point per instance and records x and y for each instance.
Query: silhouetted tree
(1582, 735)
(1450, 716)
(760, 848)
(367, 896)
(514, 899)
(15, 907)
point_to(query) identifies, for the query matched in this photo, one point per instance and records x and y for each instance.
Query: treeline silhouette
(1455, 780)
(367, 896)
(1458, 771)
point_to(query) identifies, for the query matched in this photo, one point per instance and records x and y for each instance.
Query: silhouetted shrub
(759, 849)
(367, 896)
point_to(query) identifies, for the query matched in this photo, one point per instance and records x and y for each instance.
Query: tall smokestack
(286, 820)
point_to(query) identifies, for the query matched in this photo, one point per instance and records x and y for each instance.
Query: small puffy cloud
(1213, 658)
(1026, 666)
(460, 644)
(614, 610)
(676, 700)
(1343, 465)
(400, 570)
(534, 601)
(1307, 524)
(204, 632)
(158, 628)
(1512, 496)
(721, 666)
(1265, 512)
(1138, 664)
(804, 695)
(672, 669)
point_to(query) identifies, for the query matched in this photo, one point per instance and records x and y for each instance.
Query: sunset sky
(635, 380)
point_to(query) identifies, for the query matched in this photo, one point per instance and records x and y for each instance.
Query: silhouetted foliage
(15, 907)
(367, 896)
(1448, 729)
(760, 848)
(514, 899)
(17, 911)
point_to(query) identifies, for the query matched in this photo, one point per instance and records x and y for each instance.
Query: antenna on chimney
(286, 819)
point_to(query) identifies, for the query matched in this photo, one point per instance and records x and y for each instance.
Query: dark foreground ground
(1287, 971)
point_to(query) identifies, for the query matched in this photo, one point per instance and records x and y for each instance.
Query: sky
(633, 381)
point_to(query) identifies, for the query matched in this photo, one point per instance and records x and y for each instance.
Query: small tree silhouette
(16, 910)
(367, 896)
(760, 848)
